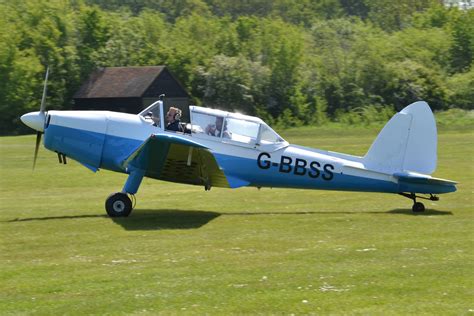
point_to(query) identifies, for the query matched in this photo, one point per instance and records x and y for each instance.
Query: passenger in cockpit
(217, 129)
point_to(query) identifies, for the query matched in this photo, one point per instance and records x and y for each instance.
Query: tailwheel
(418, 207)
(118, 205)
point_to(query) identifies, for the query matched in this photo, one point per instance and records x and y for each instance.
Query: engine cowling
(79, 135)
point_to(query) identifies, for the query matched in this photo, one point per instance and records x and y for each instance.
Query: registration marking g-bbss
(299, 167)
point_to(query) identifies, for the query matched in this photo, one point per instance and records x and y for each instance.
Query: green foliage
(365, 115)
(234, 83)
(292, 62)
(461, 87)
(93, 34)
(462, 49)
(39, 36)
(413, 81)
(455, 119)
(396, 15)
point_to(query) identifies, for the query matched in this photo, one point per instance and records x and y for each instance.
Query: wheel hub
(119, 206)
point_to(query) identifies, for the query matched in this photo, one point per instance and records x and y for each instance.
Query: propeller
(42, 115)
(38, 142)
(45, 89)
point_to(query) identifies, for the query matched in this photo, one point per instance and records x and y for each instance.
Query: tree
(461, 89)
(414, 82)
(39, 36)
(93, 34)
(462, 48)
(234, 83)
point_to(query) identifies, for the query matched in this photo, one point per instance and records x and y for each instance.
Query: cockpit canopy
(232, 127)
(222, 126)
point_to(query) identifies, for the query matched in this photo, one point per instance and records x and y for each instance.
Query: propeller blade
(38, 141)
(45, 88)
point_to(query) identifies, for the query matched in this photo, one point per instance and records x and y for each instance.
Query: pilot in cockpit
(172, 119)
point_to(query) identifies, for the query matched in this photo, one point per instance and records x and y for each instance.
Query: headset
(177, 114)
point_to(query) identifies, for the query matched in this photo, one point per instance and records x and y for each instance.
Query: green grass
(245, 251)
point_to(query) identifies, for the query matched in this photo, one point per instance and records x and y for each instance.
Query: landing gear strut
(118, 205)
(418, 207)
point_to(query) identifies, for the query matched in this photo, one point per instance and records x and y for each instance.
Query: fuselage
(103, 139)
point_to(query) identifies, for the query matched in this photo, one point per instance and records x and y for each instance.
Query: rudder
(408, 142)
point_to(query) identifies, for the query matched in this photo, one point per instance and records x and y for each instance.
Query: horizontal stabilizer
(420, 183)
(422, 179)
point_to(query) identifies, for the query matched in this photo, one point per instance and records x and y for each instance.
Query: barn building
(130, 90)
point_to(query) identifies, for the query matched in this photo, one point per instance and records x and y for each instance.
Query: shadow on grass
(427, 212)
(141, 219)
(49, 218)
(149, 219)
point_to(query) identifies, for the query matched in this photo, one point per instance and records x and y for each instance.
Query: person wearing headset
(172, 119)
(216, 129)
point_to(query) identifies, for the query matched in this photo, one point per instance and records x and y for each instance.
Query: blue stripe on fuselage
(91, 148)
(108, 152)
(83, 146)
(116, 150)
(248, 170)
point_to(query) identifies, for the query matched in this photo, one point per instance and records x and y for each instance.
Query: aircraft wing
(177, 159)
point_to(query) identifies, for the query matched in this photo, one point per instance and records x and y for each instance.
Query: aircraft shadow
(49, 218)
(158, 219)
(427, 212)
(142, 219)
(149, 219)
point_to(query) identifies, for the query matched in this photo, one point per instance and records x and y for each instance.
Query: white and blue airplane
(230, 150)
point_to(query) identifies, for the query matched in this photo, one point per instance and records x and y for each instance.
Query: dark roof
(118, 82)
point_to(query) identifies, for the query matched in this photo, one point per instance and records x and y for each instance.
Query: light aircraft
(241, 151)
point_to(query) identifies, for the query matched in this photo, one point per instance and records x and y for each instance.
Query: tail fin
(407, 143)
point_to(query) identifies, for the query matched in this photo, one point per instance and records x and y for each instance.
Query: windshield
(152, 113)
(269, 136)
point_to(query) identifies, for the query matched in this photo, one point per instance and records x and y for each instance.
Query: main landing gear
(418, 207)
(119, 205)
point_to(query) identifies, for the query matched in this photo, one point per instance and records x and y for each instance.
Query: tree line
(289, 62)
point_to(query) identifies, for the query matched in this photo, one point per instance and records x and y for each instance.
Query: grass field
(245, 251)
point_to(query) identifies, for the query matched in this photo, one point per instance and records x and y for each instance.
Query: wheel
(118, 205)
(418, 207)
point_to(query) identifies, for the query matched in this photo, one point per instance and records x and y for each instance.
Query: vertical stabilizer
(408, 142)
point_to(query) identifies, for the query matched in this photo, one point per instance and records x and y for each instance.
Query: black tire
(118, 205)
(418, 207)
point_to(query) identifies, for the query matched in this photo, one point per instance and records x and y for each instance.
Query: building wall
(164, 83)
(126, 105)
